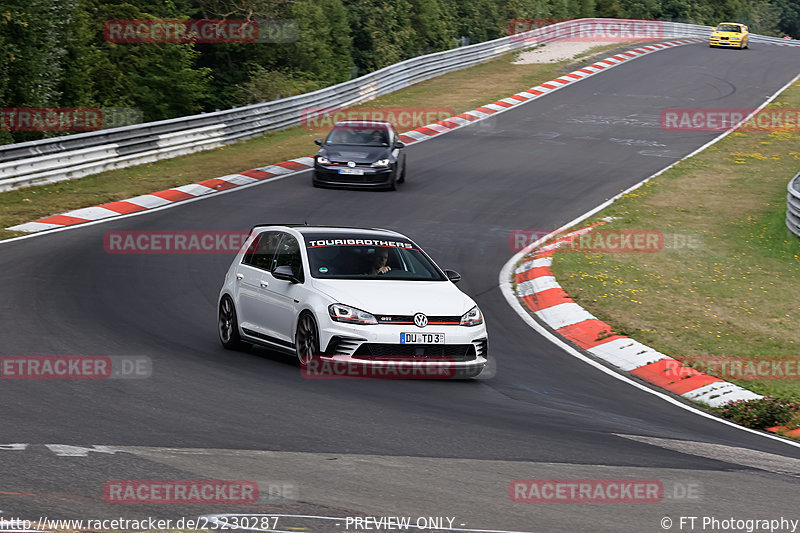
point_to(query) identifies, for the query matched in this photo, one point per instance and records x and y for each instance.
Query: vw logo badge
(351, 164)
(420, 320)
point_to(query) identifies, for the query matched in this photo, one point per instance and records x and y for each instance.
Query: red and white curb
(539, 291)
(247, 177)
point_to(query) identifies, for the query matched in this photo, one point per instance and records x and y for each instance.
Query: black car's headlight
(473, 317)
(381, 163)
(323, 160)
(350, 315)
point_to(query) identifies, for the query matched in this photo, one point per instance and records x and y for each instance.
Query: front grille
(444, 352)
(409, 319)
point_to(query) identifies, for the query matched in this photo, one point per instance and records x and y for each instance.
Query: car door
(252, 277)
(284, 296)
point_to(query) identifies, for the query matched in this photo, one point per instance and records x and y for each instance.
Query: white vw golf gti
(365, 297)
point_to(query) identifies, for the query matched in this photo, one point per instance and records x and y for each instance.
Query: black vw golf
(360, 153)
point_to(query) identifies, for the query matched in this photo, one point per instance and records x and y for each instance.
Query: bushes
(763, 413)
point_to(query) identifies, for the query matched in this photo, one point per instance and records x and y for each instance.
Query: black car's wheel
(402, 177)
(229, 326)
(306, 339)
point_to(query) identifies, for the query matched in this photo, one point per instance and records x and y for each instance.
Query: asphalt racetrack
(380, 447)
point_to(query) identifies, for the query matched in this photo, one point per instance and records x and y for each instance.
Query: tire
(228, 325)
(392, 185)
(306, 339)
(402, 177)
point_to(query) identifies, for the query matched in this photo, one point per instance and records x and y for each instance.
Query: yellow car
(730, 34)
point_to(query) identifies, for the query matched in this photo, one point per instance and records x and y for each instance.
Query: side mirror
(284, 272)
(318, 142)
(399, 144)
(452, 275)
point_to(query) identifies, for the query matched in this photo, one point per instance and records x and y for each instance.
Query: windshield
(358, 257)
(359, 136)
(729, 27)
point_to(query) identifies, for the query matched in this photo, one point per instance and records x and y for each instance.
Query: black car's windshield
(728, 27)
(359, 257)
(358, 136)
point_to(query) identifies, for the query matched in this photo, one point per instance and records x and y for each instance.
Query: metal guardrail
(81, 154)
(793, 205)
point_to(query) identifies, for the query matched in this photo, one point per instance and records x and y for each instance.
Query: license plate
(422, 338)
(351, 171)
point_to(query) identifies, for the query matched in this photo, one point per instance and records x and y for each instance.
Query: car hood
(397, 297)
(727, 34)
(357, 154)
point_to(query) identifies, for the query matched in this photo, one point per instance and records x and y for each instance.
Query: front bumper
(376, 347)
(725, 43)
(373, 177)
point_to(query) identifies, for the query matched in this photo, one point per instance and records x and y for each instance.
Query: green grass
(735, 294)
(460, 91)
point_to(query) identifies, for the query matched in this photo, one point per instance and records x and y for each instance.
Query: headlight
(350, 315)
(381, 163)
(323, 160)
(473, 317)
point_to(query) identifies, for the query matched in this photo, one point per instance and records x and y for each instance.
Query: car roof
(731, 23)
(364, 124)
(343, 230)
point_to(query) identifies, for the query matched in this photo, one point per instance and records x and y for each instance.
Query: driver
(377, 264)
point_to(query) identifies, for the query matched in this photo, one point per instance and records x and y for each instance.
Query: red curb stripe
(562, 80)
(467, 117)
(123, 207)
(587, 333)
(172, 195)
(547, 85)
(549, 298)
(534, 91)
(217, 184)
(406, 139)
(620, 58)
(502, 103)
(574, 76)
(537, 272)
(518, 97)
(586, 70)
(292, 165)
(257, 174)
(668, 374)
(62, 220)
(606, 61)
(629, 54)
(487, 110)
(447, 124)
(427, 131)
